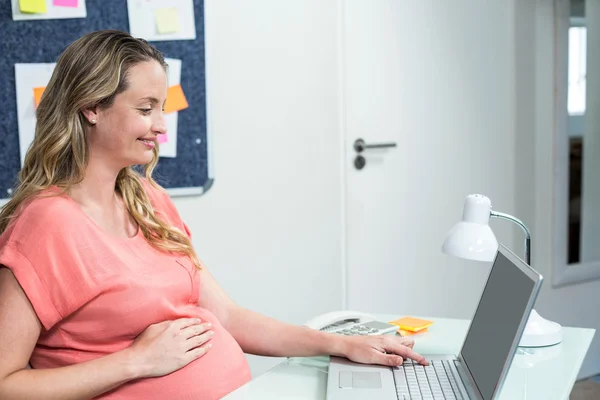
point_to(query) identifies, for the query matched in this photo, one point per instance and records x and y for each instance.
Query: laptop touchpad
(360, 380)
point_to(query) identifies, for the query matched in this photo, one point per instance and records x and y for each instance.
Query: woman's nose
(160, 126)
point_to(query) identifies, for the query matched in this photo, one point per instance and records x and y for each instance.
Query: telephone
(350, 323)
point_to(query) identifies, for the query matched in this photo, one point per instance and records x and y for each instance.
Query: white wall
(538, 166)
(270, 228)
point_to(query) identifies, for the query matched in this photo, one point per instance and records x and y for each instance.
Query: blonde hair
(89, 73)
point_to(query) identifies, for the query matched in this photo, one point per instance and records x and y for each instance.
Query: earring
(93, 122)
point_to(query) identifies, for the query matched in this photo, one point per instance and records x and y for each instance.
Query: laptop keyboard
(437, 381)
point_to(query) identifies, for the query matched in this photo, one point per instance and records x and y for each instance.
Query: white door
(434, 77)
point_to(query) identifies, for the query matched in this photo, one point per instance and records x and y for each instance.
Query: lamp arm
(522, 225)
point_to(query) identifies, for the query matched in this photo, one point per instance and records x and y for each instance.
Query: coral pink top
(95, 293)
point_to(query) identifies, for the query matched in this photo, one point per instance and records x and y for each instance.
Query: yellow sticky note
(32, 6)
(167, 20)
(175, 100)
(37, 95)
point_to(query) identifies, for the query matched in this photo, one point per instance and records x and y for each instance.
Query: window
(577, 70)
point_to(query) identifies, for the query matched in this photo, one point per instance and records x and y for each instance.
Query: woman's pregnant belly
(220, 371)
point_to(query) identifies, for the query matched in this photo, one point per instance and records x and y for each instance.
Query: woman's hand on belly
(170, 345)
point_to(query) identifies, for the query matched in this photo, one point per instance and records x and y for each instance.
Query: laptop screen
(496, 321)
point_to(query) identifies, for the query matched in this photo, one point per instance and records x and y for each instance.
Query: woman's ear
(91, 115)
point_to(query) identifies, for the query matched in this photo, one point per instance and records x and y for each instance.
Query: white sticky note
(143, 23)
(53, 11)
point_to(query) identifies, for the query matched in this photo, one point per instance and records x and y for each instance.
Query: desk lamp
(473, 239)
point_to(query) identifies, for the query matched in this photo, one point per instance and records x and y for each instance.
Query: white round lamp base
(540, 332)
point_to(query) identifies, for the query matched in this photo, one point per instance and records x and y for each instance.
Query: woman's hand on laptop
(384, 350)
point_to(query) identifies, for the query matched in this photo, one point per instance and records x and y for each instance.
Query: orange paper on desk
(412, 324)
(403, 333)
(175, 100)
(37, 95)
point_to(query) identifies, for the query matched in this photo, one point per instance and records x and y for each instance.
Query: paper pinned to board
(179, 23)
(169, 147)
(47, 9)
(28, 78)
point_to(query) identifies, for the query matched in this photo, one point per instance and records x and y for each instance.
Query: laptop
(480, 368)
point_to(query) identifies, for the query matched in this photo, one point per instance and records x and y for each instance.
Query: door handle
(360, 145)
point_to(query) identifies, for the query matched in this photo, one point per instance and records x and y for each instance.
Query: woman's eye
(145, 111)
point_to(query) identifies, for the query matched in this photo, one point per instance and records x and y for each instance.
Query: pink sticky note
(162, 138)
(66, 3)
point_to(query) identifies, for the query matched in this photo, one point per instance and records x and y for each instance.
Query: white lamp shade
(471, 241)
(472, 238)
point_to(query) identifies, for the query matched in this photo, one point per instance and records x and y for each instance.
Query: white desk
(543, 373)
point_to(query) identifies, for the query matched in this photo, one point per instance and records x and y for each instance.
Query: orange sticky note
(37, 95)
(409, 333)
(32, 6)
(175, 100)
(412, 324)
